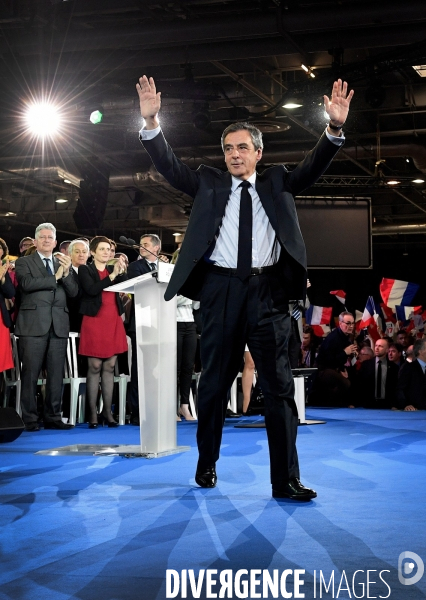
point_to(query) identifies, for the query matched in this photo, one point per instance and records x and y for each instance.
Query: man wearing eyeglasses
(335, 360)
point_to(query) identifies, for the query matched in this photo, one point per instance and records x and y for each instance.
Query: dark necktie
(379, 380)
(245, 232)
(48, 269)
(152, 266)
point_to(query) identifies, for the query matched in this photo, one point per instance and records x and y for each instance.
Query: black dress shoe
(32, 427)
(295, 490)
(232, 415)
(206, 478)
(57, 425)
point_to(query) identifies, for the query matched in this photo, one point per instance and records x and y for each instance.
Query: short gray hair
(155, 240)
(418, 346)
(344, 314)
(255, 134)
(44, 226)
(74, 242)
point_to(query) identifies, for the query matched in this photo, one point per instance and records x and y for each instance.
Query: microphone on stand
(130, 243)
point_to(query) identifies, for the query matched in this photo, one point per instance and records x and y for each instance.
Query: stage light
(96, 117)
(201, 117)
(393, 182)
(61, 201)
(418, 180)
(293, 102)
(43, 119)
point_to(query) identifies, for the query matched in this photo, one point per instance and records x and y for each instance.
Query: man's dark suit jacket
(211, 188)
(92, 286)
(366, 385)
(411, 386)
(73, 304)
(7, 290)
(43, 300)
(136, 268)
(331, 354)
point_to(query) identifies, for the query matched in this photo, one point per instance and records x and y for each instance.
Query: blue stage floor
(108, 528)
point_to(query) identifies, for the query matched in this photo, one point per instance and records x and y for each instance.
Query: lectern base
(127, 450)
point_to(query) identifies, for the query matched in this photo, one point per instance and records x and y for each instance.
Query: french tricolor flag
(388, 314)
(340, 295)
(395, 292)
(318, 315)
(405, 313)
(370, 314)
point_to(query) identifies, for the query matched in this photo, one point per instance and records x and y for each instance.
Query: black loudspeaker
(92, 201)
(11, 425)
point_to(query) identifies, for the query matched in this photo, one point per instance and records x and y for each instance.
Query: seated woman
(102, 334)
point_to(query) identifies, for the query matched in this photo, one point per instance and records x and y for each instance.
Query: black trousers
(235, 313)
(32, 352)
(186, 349)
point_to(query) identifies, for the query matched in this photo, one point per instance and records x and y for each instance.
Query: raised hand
(338, 107)
(149, 100)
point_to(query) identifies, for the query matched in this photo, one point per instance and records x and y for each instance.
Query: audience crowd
(45, 294)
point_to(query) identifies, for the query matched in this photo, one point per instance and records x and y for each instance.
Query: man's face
(64, 247)
(25, 245)
(394, 355)
(422, 353)
(381, 348)
(148, 250)
(240, 156)
(402, 338)
(347, 325)
(45, 242)
(364, 354)
(306, 339)
(78, 255)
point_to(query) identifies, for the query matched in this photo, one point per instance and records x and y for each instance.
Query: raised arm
(149, 100)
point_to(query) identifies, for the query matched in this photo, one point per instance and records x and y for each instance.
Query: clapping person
(102, 331)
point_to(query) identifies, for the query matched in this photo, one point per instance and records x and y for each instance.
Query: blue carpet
(108, 528)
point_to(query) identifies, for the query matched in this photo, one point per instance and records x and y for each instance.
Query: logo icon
(405, 568)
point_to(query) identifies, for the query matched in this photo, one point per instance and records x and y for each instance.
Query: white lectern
(156, 354)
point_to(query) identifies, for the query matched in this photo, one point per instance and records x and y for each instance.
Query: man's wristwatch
(335, 127)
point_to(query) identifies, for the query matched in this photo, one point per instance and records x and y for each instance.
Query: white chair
(12, 377)
(78, 398)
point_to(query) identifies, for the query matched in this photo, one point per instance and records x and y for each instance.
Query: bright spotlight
(43, 119)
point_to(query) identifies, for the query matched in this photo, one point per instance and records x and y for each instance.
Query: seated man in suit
(411, 390)
(244, 258)
(377, 379)
(150, 246)
(43, 326)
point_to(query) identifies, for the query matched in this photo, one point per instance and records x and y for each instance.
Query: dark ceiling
(215, 61)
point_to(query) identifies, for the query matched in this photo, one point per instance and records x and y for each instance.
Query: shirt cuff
(335, 139)
(149, 134)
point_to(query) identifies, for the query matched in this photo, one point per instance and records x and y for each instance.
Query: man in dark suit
(244, 258)
(411, 391)
(335, 363)
(150, 246)
(43, 326)
(377, 379)
(78, 251)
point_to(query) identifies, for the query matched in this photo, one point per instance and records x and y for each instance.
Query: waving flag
(340, 295)
(370, 314)
(394, 291)
(404, 313)
(388, 314)
(321, 330)
(318, 315)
